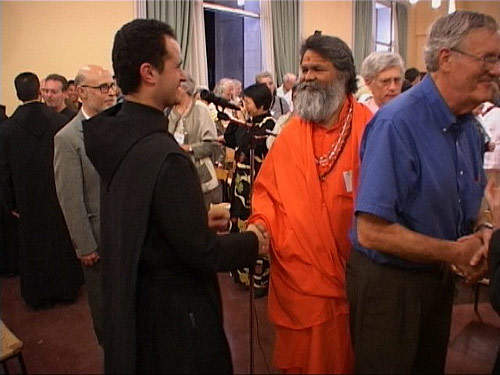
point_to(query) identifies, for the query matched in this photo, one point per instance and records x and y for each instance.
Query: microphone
(217, 100)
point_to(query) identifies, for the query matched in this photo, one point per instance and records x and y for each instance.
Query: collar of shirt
(85, 114)
(439, 108)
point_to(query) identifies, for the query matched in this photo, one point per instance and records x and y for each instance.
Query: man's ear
(148, 73)
(444, 59)
(81, 92)
(369, 83)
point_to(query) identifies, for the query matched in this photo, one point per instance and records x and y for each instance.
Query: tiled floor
(60, 340)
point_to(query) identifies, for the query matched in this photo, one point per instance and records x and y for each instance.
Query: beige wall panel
(56, 37)
(491, 7)
(419, 58)
(411, 48)
(331, 17)
(422, 16)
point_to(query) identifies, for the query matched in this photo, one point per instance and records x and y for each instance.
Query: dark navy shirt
(421, 167)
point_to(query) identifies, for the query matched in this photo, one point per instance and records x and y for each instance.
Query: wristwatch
(484, 225)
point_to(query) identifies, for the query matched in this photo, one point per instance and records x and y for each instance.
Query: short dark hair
(260, 95)
(71, 82)
(339, 54)
(60, 78)
(406, 85)
(411, 74)
(27, 86)
(136, 43)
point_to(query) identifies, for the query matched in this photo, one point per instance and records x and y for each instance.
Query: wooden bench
(11, 348)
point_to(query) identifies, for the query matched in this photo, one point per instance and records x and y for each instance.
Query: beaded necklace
(331, 157)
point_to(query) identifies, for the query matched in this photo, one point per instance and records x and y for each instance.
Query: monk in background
(304, 197)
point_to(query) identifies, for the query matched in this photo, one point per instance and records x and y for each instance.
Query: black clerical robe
(159, 258)
(48, 267)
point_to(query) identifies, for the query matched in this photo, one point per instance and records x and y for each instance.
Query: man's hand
(187, 148)
(492, 195)
(482, 254)
(218, 217)
(15, 214)
(468, 247)
(89, 260)
(263, 235)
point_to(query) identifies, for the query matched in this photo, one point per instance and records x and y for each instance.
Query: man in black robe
(49, 270)
(9, 252)
(162, 308)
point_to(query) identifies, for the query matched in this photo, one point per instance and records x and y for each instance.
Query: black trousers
(400, 319)
(496, 366)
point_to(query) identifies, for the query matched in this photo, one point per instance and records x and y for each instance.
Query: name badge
(348, 181)
(179, 137)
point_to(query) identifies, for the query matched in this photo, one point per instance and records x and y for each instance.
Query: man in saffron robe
(304, 197)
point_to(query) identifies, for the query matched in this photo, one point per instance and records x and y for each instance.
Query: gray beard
(316, 103)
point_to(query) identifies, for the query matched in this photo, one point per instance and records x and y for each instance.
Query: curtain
(401, 30)
(140, 9)
(196, 59)
(179, 15)
(286, 36)
(363, 30)
(266, 34)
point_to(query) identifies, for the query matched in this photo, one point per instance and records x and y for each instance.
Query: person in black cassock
(162, 308)
(9, 232)
(48, 268)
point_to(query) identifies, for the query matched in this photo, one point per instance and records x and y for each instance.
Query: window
(232, 32)
(384, 31)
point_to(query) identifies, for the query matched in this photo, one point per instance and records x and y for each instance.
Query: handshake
(263, 235)
(218, 220)
(471, 258)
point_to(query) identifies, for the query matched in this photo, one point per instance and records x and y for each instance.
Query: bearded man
(304, 197)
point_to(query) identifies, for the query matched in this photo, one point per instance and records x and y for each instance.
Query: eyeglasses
(387, 81)
(105, 87)
(488, 60)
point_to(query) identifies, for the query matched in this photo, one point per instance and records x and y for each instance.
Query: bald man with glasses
(77, 182)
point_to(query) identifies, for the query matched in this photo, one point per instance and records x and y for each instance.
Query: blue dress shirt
(421, 167)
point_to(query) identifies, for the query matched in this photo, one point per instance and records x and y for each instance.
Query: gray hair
(188, 85)
(377, 62)
(221, 86)
(289, 76)
(80, 78)
(261, 75)
(450, 31)
(237, 83)
(199, 89)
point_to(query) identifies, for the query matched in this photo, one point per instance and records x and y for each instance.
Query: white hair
(377, 62)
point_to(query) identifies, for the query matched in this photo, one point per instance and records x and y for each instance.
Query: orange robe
(308, 220)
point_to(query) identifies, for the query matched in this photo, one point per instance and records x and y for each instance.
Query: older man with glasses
(77, 182)
(383, 73)
(420, 191)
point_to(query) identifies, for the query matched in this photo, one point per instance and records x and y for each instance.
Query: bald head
(96, 89)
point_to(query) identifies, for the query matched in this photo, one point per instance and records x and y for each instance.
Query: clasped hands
(218, 220)
(263, 235)
(471, 259)
(474, 254)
